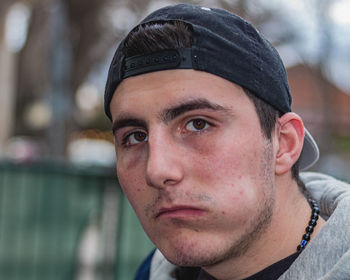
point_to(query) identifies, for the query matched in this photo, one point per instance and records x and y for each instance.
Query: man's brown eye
(135, 138)
(140, 136)
(197, 125)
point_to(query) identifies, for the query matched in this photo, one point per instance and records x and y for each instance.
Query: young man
(209, 153)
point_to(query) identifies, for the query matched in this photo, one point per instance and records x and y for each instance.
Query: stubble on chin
(205, 255)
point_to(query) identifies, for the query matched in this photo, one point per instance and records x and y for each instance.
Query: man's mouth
(180, 212)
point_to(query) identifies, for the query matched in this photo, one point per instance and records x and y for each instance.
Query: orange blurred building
(318, 101)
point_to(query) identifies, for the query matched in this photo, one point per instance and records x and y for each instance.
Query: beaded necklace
(312, 224)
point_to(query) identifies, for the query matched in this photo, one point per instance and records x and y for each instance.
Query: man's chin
(191, 255)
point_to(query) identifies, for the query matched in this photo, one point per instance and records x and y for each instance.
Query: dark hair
(268, 116)
(152, 37)
(149, 38)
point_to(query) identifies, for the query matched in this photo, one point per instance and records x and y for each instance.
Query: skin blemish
(223, 212)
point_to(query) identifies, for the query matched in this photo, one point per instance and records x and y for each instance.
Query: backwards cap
(224, 45)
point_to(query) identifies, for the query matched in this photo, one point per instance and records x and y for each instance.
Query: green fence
(61, 222)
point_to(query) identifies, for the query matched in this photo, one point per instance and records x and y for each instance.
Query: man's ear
(290, 136)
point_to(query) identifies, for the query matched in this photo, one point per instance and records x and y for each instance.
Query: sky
(311, 35)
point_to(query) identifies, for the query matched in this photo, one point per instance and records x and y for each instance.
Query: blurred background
(62, 215)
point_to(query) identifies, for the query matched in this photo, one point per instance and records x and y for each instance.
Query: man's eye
(197, 125)
(135, 138)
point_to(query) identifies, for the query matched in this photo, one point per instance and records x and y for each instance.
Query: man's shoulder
(328, 254)
(143, 272)
(326, 190)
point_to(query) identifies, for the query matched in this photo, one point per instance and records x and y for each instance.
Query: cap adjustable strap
(168, 59)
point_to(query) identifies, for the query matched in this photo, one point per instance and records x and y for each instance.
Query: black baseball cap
(225, 45)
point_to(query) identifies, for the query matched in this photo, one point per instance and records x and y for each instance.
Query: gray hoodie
(327, 256)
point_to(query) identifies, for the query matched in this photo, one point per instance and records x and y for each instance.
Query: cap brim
(310, 152)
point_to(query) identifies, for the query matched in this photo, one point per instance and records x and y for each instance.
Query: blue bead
(315, 210)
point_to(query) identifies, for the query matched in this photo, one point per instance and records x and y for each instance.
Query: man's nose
(164, 166)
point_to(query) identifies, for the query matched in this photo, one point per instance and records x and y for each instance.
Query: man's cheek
(222, 167)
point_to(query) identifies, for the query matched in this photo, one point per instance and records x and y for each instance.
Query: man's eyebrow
(169, 113)
(194, 104)
(125, 121)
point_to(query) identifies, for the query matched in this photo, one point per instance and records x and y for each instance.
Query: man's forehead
(173, 88)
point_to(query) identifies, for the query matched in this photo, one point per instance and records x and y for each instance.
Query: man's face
(194, 164)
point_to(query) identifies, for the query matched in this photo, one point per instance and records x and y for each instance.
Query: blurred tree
(65, 38)
(4, 5)
(8, 44)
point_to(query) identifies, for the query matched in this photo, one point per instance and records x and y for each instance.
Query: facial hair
(256, 227)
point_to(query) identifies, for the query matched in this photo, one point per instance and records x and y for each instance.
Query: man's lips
(181, 211)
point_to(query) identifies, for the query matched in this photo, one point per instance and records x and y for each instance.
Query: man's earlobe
(290, 142)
